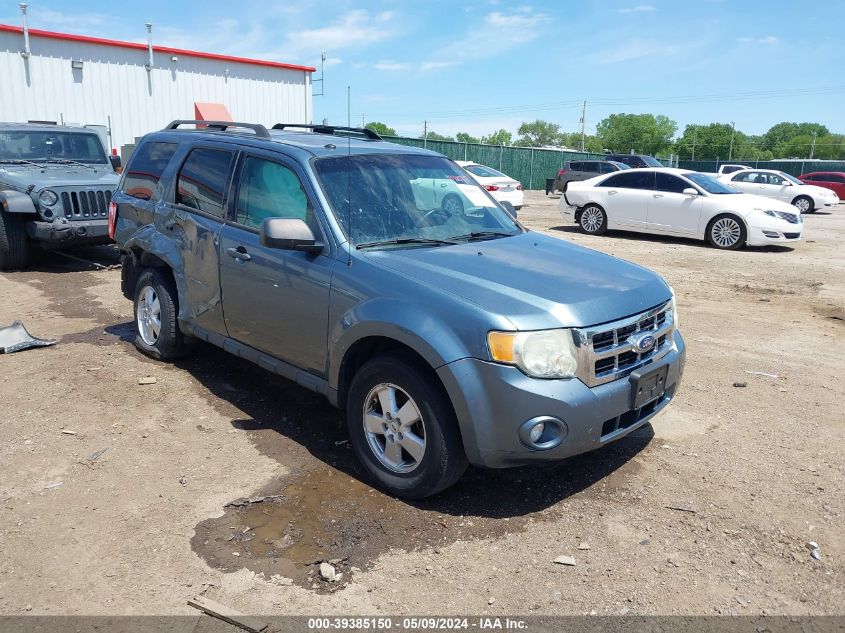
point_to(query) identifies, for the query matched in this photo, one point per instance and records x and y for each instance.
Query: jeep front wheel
(14, 246)
(403, 428)
(156, 311)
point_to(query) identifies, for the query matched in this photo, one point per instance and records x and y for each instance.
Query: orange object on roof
(211, 112)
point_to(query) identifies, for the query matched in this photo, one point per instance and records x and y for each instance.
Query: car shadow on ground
(668, 239)
(284, 418)
(74, 259)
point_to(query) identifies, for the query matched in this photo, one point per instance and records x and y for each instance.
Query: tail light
(491, 187)
(519, 187)
(562, 172)
(112, 219)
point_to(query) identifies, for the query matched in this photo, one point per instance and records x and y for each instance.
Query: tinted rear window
(202, 180)
(145, 167)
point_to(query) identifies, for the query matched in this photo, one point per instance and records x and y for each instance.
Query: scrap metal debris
(240, 503)
(15, 338)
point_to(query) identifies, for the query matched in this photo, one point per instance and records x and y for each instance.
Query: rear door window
(203, 179)
(631, 180)
(145, 167)
(576, 166)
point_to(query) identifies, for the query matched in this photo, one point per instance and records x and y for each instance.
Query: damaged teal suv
(384, 278)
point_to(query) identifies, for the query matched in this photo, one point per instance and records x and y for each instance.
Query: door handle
(239, 253)
(658, 195)
(612, 193)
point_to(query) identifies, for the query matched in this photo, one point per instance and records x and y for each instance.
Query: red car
(834, 180)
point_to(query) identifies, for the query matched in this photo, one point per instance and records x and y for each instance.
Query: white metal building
(75, 79)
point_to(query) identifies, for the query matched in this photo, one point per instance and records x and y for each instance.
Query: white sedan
(782, 186)
(503, 188)
(681, 203)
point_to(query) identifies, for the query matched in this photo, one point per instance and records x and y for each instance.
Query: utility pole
(425, 133)
(731, 149)
(813, 146)
(362, 121)
(694, 141)
(583, 122)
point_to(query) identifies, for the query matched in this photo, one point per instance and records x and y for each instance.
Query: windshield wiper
(405, 240)
(477, 235)
(67, 161)
(18, 161)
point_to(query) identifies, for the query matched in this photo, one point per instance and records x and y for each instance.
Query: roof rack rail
(330, 129)
(221, 126)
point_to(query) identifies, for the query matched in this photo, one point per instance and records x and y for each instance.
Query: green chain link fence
(530, 166)
(794, 167)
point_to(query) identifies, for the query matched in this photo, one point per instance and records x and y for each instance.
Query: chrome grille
(86, 204)
(605, 352)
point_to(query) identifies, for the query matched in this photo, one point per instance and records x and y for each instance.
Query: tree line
(656, 135)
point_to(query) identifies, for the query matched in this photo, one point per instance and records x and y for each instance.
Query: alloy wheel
(591, 219)
(148, 318)
(394, 428)
(726, 232)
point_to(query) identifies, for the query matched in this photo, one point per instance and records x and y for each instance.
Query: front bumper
(62, 231)
(775, 235)
(492, 401)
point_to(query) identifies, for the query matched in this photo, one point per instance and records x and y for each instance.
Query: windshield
(652, 162)
(484, 172)
(791, 179)
(406, 197)
(44, 145)
(710, 184)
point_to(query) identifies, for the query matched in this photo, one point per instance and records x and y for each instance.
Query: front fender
(17, 202)
(408, 323)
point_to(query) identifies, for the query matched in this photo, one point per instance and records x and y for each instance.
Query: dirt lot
(706, 511)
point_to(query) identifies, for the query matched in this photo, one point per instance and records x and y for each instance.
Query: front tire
(593, 220)
(452, 204)
(14, 245)
(804, 204)
(403, 428)
(726, 232)
(156, 311)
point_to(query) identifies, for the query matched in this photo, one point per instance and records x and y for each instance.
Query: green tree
(539, 134)
(779, 135)
(644, 133)
(380, 128)
(499, 137)
(434, 136)
(827, 147)
(592, 144)
(463, 137)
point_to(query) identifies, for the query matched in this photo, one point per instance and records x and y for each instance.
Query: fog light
(542, 433)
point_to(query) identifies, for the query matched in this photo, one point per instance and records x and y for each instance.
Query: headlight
(48, 198)
(542, 354)
(675, 319)
(782, 215)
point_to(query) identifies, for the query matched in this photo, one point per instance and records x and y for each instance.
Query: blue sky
(480, 65)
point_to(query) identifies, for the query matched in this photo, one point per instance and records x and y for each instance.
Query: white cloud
(437, 65)
(635, 49)
(640, 8)
(767, 39)
(391, 65)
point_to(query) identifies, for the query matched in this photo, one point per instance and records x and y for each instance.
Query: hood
(815, 190)
(534, 280)
(22, 176)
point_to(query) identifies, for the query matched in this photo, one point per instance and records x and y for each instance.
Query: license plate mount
(647, 386)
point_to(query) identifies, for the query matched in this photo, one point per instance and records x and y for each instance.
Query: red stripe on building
(69, 37)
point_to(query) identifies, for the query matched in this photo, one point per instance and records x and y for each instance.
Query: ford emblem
(643, 342)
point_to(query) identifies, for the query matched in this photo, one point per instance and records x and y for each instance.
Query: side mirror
(289, 234)
(114, 160)
(507, 206)
(689, 191)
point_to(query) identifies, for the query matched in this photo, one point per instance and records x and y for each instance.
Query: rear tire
(593, 220)
(14, 244)
(403, 428)
(804, 204)
(156, 312)
(726, 232)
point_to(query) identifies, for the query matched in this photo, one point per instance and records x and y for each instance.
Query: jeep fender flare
(12, 201)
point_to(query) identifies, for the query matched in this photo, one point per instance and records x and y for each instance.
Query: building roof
(68, 37)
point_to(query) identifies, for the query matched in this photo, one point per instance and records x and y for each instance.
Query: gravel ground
(127, 498)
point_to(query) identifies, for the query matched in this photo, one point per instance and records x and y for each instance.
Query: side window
(775, 180)
(670, 183)
(591, 167)
(745, 176)
(631, 180)
(835, 178)
(271, 190)
(145, 167)
(576, 166)
(201, 183)
(606, 168)
(811, 178)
